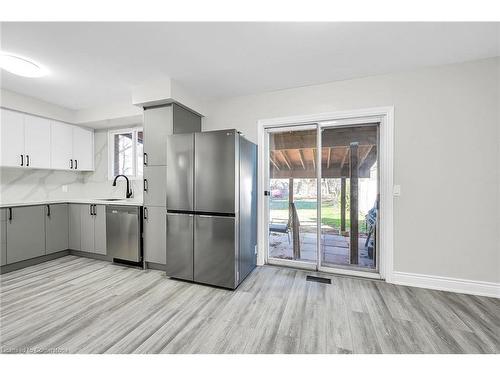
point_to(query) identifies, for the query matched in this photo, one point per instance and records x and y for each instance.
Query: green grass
(306, 209)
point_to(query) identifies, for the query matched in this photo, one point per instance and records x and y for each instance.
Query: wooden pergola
(345, 153)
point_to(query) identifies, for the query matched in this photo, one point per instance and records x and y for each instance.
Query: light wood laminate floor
(80, 305)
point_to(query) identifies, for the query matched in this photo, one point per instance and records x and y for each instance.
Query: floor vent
(323, 280)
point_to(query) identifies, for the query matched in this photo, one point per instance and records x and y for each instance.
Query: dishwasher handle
(131, 210)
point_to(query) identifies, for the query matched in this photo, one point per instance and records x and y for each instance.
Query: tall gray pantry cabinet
(159, 123)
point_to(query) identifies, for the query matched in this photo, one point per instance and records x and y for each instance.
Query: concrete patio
(334, 249)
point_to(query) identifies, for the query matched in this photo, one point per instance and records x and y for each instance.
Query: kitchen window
(125, 153)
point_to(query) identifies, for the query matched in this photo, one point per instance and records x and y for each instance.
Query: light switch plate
(396, 191)
(65, 188)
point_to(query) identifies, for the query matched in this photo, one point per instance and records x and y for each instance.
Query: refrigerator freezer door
(214, 251)
(215, 158)
(180, 246)
(180, 154)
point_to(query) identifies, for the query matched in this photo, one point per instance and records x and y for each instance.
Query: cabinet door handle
(90, 210)
(27, 160)
(145, 185)
(76, 163)
(145, 213)
(10, 213)
(145, 158)
(95, 210)
(22, 160)
(48, 210)
(70, 163)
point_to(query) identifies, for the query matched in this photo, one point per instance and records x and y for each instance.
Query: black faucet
(129, 191)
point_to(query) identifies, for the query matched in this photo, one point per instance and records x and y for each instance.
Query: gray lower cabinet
(3, 238)
(25, 233)
(56, 228)
(154, 230)
(100, 229)
(155, 186)
(87, 228)
(75, 224)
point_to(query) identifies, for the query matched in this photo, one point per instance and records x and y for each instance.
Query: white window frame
(111, 155)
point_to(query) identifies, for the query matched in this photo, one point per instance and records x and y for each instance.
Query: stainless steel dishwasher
(123, 234)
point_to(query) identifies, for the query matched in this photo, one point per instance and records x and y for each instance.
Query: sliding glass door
(349, 197)
(343, 177)
(292, 192)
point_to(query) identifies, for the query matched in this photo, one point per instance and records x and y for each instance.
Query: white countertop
(121, 202)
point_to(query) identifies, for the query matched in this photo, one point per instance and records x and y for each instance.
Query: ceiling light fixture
(21, 66)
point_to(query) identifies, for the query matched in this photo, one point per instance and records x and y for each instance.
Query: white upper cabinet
(83, 155)
(11, 138)
(33, 142)
(37, 142)
(61, 140)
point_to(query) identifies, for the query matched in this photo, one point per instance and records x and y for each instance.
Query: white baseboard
(450, 284)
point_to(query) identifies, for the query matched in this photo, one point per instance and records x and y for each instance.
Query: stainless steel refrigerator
(211, 207)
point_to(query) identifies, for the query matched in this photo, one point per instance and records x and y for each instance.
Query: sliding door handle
(70, 163)
(27, 160)
(76, 163)
(22, 160)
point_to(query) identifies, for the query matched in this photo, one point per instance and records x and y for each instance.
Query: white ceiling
(93, 64)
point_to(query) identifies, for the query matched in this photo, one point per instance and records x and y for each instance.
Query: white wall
(22, 103)
(447, 160)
